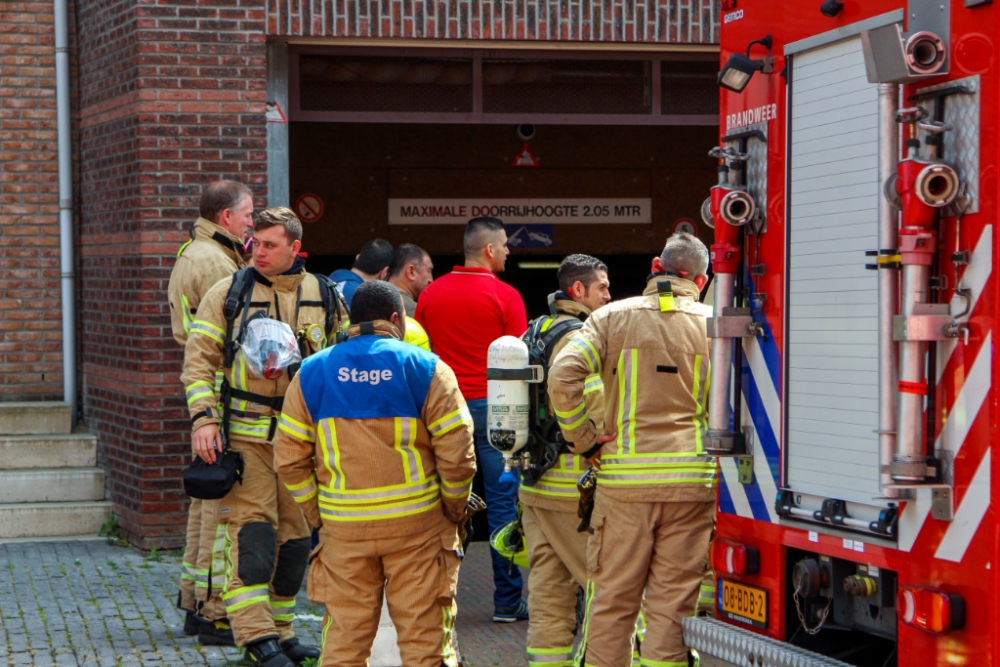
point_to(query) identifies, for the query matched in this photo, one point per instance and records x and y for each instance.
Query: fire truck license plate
(743, 604)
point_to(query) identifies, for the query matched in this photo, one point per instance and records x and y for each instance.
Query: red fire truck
(853, 401)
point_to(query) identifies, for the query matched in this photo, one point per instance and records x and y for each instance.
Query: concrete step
(40, 485)
(46, 520)
(74, 450)
(35, 418)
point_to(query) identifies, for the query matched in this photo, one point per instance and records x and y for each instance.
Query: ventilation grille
(689, 88)
(411, 85)
(567, 87)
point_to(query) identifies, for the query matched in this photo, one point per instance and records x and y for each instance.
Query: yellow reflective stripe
(646, 662)
(303, 491)
(328, 442)
(691, 476)
(188, 572)
(550, 657)
(245, 596)
(377, 494)
(219, 375)
(375, 513)
(239, 380)
(258, 428)
(448, 657)
(405, 429)
(628, 362)
(699, 392)
(186, 313)
(585, 630)
(208, 329)
(652, 460)
(667, 302)
(543, 488)
(218, 571)
(198, 390)
(546, 324)
(183, 246)
(570, 462)
(283, 610)
(450, 421)
(589, 353)
(297, 429)
(566, 419)
(592, 384)
(326, 629)
(459, 490)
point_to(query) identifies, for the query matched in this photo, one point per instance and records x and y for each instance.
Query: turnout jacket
(211, 255)
(653, 356)
(556, 490)
(279, 298)
(375, 439)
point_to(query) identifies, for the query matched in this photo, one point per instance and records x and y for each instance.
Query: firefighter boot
(267, 653)
(192, 625)
(297, 652)
(216, 633)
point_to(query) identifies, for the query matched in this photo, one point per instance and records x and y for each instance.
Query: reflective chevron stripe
(297, 429)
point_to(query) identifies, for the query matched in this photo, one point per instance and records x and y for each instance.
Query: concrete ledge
(45, 520)
(41, 485)
(76, 450)
(34, 418)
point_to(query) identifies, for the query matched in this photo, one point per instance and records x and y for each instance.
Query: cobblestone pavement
(88, 603)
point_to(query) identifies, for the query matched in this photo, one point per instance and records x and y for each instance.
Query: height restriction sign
(309, 207)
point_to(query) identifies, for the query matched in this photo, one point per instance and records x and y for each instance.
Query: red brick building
(171, 94)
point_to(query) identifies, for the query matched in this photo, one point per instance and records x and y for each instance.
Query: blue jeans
(501, 508)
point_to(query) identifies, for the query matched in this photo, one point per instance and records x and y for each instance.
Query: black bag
(213, 481)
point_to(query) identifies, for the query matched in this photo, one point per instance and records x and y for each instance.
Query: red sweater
(463, 312)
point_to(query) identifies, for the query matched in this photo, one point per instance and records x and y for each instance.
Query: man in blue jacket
(372, 263)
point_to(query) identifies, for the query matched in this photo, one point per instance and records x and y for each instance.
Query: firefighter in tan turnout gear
(656, 487)
(213, 253)
(263, 539)
(556, 550)
(375, 443)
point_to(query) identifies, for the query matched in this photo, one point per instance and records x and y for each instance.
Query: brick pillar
(30, 330)
(172, 97)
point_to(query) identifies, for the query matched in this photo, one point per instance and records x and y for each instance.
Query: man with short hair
(262, 542)
(214, 252)
(392, 421)
(463, 313)
(557, 552)
(411, 271)
(372, 263)
(655, 499)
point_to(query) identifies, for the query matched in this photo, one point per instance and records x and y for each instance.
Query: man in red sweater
(463, 312)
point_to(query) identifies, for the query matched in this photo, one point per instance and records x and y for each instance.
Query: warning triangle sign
(525, 158)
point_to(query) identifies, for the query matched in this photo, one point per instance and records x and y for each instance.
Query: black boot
(216, 633)
(267, 653)
(192, 624)
(298, 652)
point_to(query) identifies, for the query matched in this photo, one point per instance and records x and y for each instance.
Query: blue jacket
(347, 281)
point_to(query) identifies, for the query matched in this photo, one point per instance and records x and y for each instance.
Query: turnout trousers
(211, 564)
(661, 548)
(189, 564)
(264, 542)
(418, 575)
(557, 555)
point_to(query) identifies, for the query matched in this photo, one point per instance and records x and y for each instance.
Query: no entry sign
(309, 207)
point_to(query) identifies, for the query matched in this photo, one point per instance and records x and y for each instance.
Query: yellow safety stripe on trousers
(582, 650)
(376, 512)
(640, 625)
(303, 491)
(646, 662)
(448, 656)
(593, 383)
(244, 596)
(218, 570)
(208, 329)
(198, 390)
(589, 353)
(450, 421)
(201, 579)
(331, 452)
(706, 599)
(559, 481)
(459, 490)
(544, 487)
(405, 429)
(628, 364)
(297, 429)
(322, 641)
(699, 391)
(571, 419)
(186, 313)
(188, 572)
(283, 610)
(561, 656)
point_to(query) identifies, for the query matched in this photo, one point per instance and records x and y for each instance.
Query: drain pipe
(888, 284)
(65, 205)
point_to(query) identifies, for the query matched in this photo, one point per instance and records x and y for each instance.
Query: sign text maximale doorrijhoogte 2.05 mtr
(551, 211)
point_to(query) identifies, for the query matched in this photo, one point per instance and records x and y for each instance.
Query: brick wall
(30, 328)
(172, 97)
(673, 21)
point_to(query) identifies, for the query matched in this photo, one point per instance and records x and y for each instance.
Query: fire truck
(853, 402)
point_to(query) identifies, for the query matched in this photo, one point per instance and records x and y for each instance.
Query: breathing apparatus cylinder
(508, 402)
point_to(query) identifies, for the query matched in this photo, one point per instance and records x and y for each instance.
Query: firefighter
(213, 253)
(263, 540)
(556, 550)
(654, 505)
(375, 444)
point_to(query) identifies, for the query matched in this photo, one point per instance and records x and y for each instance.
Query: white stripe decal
(762, 473)
(769, 399)
(963, 413)
(731, 477)
(976, 274)
(969, 515)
